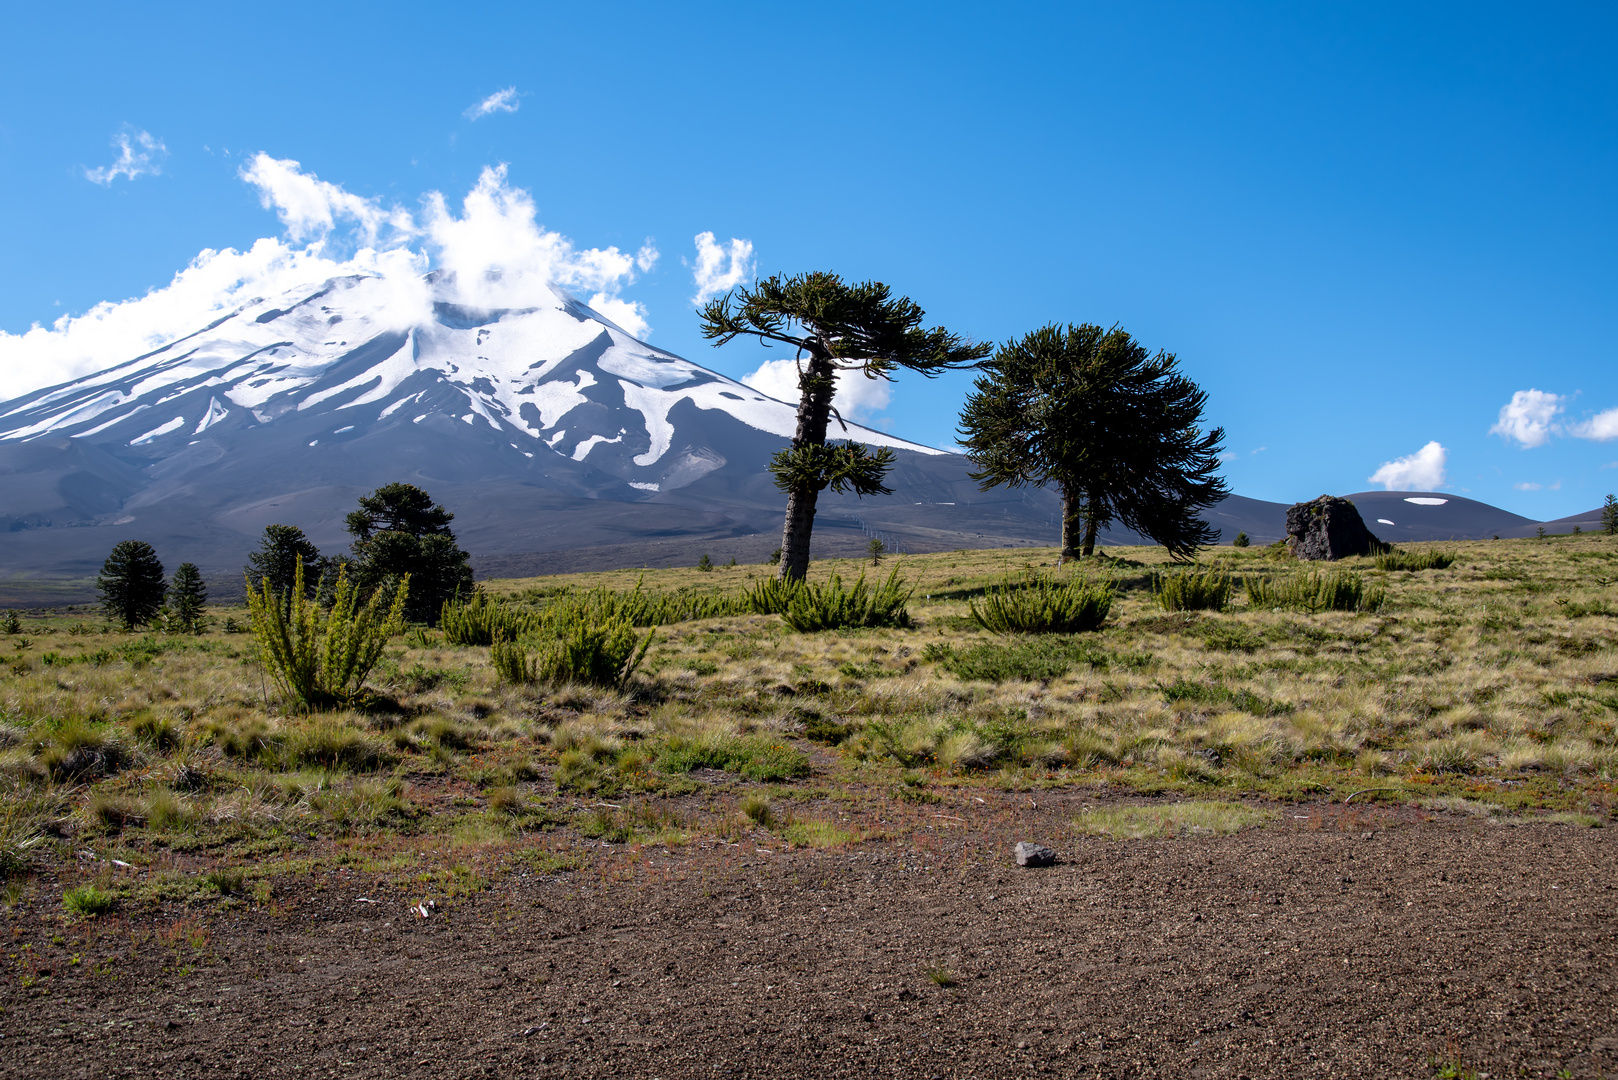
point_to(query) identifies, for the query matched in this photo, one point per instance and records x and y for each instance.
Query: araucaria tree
(1114, 428)
(399, 530)
(188, 596)
(1609, 515)
(131, 584)
(280, 553)
(834, 326)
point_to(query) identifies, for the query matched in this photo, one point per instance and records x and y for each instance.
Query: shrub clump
(604, 653)
(1316, 591)
(1193, 590)
(812, 607)
(317, 665)
(1041, 604)
(1414, 560)
(482, 620)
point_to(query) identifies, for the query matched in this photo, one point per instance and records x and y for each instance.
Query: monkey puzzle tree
(279, 554)
(399, 530)
(834, 326)
(131, 584)
(1113, 427)
(188, 598)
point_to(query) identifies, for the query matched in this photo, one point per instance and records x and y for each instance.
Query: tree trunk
(1089, 531)
(817, 385)
(1072, 523)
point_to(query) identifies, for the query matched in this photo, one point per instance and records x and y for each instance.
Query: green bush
(770, 596)
(323, 666)
(598, 653)
(1025, 660)
(1193, 590)
(1316, 591)
(1414, 560)
(1040, 604)
(483, 620)
(89, 901)
(1241, 540)
(813, 607)
(640, 608)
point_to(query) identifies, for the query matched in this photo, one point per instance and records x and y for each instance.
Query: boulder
(1028, 854)
(1329, 528)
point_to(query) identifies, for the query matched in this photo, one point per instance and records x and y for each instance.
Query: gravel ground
(1326, 944)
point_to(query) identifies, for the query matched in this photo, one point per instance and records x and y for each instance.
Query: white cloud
(499, 101)
(493, 250)
(1601, 427)
(1526, 485)
(1527, 417)
(1421, 471)
(139, 154)
(856, 397)
(720, 268)
(310, 208)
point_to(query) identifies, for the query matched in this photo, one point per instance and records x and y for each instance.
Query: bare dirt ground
(1332, 942)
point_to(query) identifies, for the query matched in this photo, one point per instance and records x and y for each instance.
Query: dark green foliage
(876, 548)
(813, 607)
(1033, 659)
(770, 596)
(131, 584)
(11, 624)
(1193, 590)
(833, 326)
(1241, 540)
(1315, 591)
(1414, 560)
(1113, 427)
(399, 530)
(188, 596)
(705, 564)
(775, 557)
(753, 757)
(841, 466)
(1044, 605)
(1609, 515)
(483, 620)
(282, 552)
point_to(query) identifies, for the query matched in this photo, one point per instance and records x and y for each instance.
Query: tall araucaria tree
(1113, 427)
(834, 326)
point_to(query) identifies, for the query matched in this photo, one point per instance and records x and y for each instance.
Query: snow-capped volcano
(540, 425)
(335, 362)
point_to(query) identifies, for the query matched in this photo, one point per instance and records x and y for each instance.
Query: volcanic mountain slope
(559, 440)
(544, 428)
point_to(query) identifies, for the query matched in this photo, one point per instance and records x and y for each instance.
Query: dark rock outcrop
(1329, 528)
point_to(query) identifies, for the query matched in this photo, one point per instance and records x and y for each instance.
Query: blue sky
(1372, 235)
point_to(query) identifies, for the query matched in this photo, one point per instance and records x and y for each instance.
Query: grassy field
(1489, 687)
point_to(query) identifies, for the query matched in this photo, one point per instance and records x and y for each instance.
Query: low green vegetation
(1194, 589)
(1044, 604)
(1490, 689)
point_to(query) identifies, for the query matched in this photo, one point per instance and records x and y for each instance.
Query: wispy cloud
(492, 248)
(140, 153)
(311, 209)
(1527, 485)
(721, 267)
(1527, 417)
(500, 101)
(1421, 471)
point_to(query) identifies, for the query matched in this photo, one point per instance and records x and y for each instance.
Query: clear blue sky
(1363, 228)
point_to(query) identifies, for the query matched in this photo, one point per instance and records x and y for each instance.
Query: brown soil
(1331, 943)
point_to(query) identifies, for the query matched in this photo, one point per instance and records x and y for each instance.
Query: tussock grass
(1193, 589)
(1173, 820)
(1044, 604)
(1414, 560)
(1314, 591)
